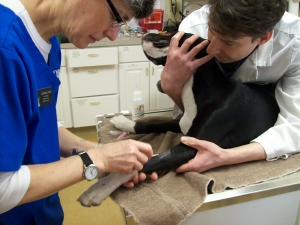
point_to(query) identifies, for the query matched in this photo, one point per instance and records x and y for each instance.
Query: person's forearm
(120, 157)
(250, 152)
(177, 102)
(172, 90)
(47, 179)
(69, 141)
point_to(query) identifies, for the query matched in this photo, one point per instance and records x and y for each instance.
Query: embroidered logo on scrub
(45, 96)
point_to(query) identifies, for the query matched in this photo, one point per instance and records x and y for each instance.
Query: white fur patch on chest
(190, 107)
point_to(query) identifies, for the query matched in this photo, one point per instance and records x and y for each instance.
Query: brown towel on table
(174, 197)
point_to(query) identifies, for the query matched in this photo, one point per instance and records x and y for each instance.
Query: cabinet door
(158, 100)
(131, 76)
(63, 107)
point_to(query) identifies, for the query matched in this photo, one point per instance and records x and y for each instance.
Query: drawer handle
(146, 71)
(93, 55)
(94, 103)
(92, 71)
(152, 70)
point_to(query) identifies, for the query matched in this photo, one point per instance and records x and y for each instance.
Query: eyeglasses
(119, 21)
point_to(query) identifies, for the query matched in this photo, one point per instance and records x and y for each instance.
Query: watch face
(91, 172)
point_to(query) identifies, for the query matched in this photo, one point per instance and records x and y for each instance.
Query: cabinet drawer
(133, 53)
(86, 109)
(92, 57)
(90, 81)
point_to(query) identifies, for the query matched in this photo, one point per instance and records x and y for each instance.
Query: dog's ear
(155, 47)
(202, 53)
(184, 37)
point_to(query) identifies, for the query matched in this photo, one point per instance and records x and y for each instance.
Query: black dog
(217, 109)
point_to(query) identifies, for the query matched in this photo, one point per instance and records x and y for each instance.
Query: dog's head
(156, 46)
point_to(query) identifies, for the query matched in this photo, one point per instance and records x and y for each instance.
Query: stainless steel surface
(290, 182)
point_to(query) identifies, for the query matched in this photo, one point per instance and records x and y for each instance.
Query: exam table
(274, 202)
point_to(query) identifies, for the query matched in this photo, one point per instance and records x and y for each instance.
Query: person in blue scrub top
(252, 41)
(31, 142)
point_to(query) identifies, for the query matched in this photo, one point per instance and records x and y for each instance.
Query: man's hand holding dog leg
(210, 155)
(180, 66)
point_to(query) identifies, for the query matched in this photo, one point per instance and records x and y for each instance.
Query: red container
(154, 21)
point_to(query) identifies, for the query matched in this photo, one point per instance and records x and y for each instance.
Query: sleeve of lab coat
(284, 138)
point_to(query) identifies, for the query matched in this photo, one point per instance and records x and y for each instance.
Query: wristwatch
(90, 170)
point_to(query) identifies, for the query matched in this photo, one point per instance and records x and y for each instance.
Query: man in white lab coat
(252, 41)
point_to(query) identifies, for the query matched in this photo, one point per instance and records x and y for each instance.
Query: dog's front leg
(103, 188)
(123, 123)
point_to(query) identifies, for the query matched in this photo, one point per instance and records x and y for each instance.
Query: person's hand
(180, 64)
(121, 157)
(140, 177)
(209, 156)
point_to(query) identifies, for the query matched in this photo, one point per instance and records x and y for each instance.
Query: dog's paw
(99, 191)
(123, 123)
(93, 196)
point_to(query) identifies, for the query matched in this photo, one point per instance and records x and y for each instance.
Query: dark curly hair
(239, 18)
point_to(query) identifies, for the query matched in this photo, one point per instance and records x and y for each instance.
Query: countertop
(120, 41)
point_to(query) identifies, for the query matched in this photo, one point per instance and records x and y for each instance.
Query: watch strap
(85, 158)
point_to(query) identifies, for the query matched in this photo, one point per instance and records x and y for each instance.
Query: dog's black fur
(229, 113)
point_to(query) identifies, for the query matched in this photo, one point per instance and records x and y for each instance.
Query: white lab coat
(278, 59)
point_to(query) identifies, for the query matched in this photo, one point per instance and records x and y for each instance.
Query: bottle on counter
(138, 104)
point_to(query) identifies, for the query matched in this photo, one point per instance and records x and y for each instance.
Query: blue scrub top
(28, 122)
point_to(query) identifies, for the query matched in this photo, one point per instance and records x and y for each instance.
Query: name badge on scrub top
(45, 96)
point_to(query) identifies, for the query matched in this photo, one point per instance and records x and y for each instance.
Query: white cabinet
(102, 80)
(92, 57)
(63, 107)
(136, 70)
(132, 76)
(158, 100)
(134, 53)
(86, 109)
(93, 81)
(133, 73)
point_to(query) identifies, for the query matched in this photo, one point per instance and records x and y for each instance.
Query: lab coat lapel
(261, 57)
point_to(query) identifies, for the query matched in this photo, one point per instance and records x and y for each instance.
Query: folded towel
(174, 197)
